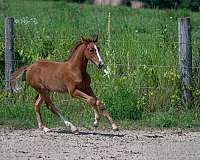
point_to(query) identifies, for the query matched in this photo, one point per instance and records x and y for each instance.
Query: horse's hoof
(95, 125)
(114, 127)
(76, 132)
(46, 130)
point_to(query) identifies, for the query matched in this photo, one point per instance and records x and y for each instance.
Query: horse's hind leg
(37, 105)
(54, 110)
(97, 117)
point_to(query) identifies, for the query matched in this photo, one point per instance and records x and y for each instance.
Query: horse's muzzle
(100, 65)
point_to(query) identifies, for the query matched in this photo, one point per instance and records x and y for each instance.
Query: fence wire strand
(128, 65)
(197, 44)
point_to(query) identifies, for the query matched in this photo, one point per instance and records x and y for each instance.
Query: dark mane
(76, 45)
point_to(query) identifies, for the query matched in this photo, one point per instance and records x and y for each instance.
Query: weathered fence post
(185, 59)
(8, 52)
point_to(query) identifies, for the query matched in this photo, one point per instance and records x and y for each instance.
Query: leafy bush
(192, 4)
(119, 107)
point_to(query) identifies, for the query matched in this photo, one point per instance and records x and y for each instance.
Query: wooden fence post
(8, 52)
(185, 59)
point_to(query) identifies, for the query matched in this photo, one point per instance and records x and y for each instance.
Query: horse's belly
(56, 86)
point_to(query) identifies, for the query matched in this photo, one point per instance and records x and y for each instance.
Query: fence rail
(8, 52)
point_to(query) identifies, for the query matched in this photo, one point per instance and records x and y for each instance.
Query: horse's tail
(15, 78)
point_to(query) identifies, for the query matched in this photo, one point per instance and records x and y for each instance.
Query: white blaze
(98, 55)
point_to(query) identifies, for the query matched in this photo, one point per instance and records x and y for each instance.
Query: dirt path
(123, 145)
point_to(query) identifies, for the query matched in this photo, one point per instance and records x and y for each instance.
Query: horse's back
(46, 74)
(42, 67)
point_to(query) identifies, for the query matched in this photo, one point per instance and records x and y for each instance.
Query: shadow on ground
(64, 131)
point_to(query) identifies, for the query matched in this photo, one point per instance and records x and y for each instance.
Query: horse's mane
(76, 45)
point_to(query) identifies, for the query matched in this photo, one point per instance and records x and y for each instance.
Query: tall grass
(140, 80)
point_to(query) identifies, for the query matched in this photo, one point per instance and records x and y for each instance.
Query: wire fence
(138, 54)
(120, 65)
(132, 68)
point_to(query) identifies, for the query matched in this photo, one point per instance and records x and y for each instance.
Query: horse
(69, 76)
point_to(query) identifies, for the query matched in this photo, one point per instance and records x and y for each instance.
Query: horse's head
(91, 52)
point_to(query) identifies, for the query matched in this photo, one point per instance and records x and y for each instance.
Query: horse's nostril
(100, 65)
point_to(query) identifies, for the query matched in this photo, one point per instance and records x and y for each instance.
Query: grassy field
(140, 84)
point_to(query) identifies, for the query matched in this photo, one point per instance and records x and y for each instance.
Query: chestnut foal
(68, 76)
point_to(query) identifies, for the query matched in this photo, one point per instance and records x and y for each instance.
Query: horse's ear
(83, 39)
(96, 39)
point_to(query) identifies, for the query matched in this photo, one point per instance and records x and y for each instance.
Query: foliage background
(171, 4)
(140, 83)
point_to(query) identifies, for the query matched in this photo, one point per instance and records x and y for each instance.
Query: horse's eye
(92, 50)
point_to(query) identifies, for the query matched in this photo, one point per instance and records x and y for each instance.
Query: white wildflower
(26, 21)
(107, 72)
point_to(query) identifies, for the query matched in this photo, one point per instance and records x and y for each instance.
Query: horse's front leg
(89, 92)
(92, 100)
(105, 113)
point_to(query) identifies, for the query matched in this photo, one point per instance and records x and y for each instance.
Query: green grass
(18, 114)
(142, 87)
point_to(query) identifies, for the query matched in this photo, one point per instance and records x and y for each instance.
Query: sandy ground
(96, 144)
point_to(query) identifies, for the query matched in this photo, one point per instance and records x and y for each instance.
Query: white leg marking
(40, 125)
(68, 124)
(45, 129)
(96, 122)
(38, 100)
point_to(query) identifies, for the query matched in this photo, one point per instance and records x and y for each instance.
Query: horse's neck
(77, 60)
